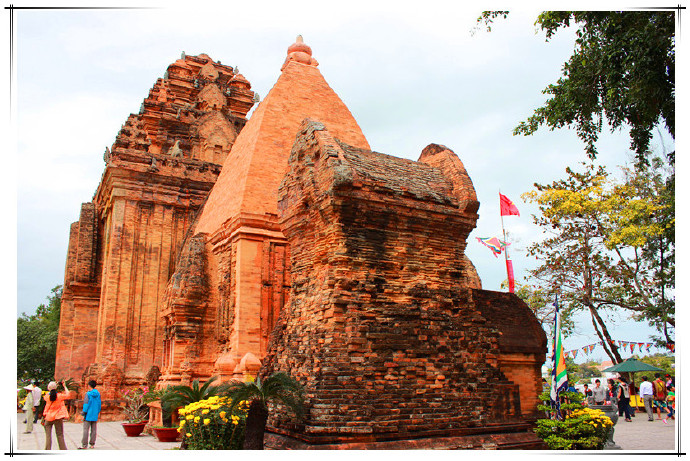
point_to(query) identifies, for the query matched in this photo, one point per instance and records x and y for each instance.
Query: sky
(411, 75)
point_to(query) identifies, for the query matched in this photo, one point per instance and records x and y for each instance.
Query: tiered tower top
(252, 172)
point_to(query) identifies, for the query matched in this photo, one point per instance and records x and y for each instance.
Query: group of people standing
(54, 413)
(657, 395)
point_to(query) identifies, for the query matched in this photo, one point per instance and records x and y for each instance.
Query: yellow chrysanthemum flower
(222, 414)
(204, 412)
(188, 434)
(197, 419)
(182, 422)
(207, 422)
(189, 417)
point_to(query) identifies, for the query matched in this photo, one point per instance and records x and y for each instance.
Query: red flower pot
(134, 429)
(166, 434)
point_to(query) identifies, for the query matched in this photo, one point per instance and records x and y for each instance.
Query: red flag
(511, 277)
(507, 207)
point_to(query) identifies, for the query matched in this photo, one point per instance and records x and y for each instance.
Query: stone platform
(638, 435)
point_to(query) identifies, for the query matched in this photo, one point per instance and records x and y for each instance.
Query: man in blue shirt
(90, 410)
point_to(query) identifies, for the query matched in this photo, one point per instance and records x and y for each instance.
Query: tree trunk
(255, 426)
(603, 333)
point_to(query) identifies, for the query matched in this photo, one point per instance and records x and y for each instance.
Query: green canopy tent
(631, 366)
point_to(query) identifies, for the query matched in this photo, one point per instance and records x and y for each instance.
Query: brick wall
(381, 326)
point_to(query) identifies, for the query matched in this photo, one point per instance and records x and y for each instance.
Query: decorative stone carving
(175, 150)
(140, 215)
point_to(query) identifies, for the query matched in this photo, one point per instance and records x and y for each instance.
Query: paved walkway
(111, 436)
(640, 434)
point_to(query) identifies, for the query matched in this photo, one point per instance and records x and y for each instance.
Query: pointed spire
(299, 52)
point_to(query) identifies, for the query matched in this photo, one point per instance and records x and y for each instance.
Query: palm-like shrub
(277, 388)
(179, 396)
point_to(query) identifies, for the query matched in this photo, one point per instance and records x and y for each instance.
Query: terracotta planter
(134, 429)
(166, 434)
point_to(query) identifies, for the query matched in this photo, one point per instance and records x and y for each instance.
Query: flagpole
(505, 241)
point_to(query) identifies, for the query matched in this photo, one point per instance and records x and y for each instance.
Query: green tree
(656, 184)
(594, 253)
(277, 388)
(541, 303)
(622, 70)
(37, 340)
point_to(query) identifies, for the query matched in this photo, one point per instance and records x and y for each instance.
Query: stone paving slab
(111, 436)
(640, 434)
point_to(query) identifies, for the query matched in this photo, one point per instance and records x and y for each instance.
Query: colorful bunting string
(625, 345)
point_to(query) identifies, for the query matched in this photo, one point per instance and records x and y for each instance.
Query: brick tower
(125, 246)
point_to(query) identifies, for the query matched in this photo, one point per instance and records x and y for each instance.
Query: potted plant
(165, 433)
(175, 397)
(136, 411)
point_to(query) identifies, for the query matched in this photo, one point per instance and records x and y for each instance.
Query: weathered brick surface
(179, 270)
(159, 171)
(381, 325)
(522, 343)
(248, 257)
(80, 296)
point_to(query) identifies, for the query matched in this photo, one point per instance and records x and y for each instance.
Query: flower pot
(134, 429)
(612, 412)
(166, 434)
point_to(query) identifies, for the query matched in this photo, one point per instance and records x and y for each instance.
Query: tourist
(660, 394)
(671, 403)
(588, 395)
(623, 397)
(633, 391)
(669, 381)
(587, 391)
(611, 392)
(54, 413)
(90, 410)
(599, 393)
(29, 409)
(647, 395)
(37, 393)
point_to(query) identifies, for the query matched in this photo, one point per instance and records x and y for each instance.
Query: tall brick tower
(224, 301)
(125, 246)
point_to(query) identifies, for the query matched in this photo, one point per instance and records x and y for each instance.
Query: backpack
(659, 390)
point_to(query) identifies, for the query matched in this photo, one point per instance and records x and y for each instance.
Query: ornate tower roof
(253, 170)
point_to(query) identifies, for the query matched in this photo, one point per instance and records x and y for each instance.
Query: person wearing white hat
(29, 409)
(55, 413)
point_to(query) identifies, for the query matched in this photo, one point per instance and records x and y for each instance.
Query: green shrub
(210, 425)
(581, 428)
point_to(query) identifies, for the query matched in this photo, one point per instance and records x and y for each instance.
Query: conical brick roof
(253, 170)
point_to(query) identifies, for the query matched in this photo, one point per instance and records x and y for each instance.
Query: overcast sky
(411, 74)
